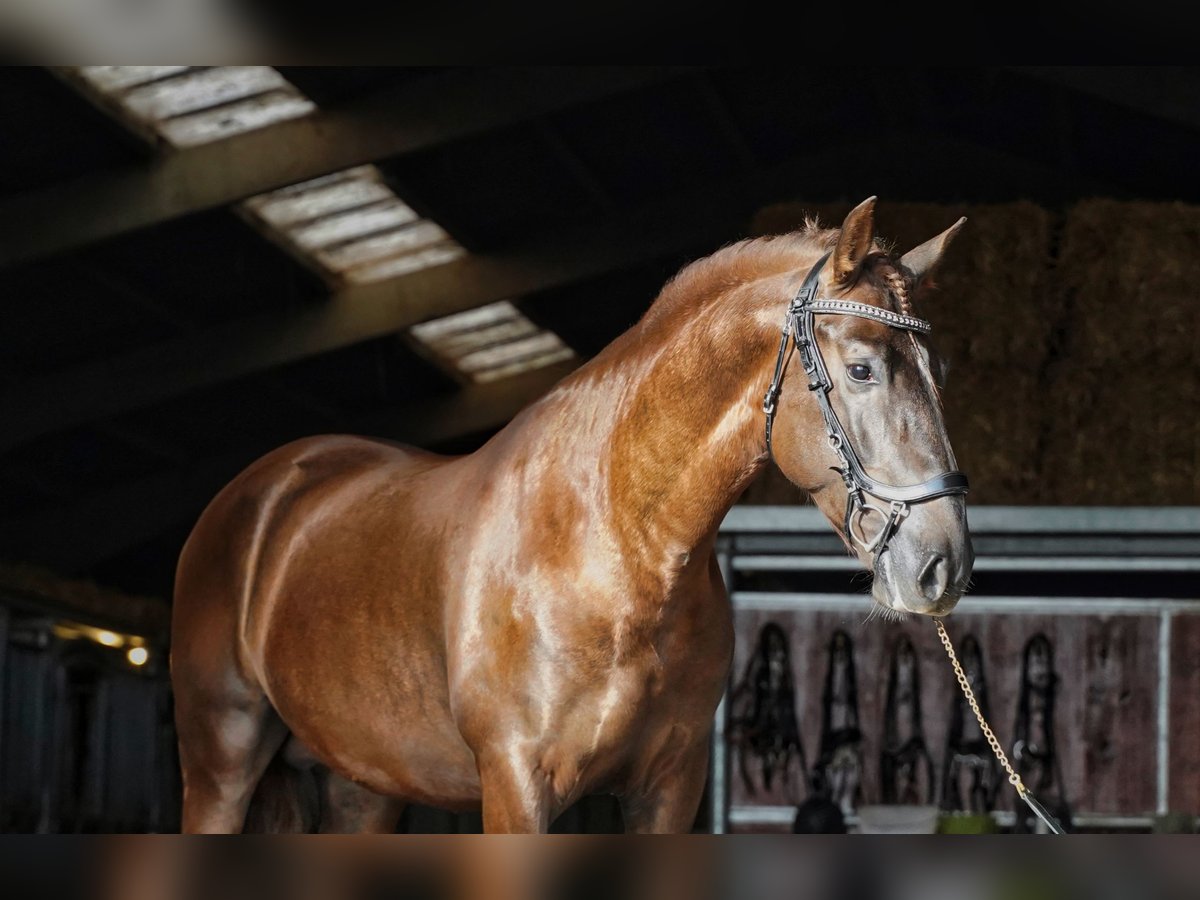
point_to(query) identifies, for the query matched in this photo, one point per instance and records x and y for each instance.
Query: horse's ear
(920, 261)
(855, 242)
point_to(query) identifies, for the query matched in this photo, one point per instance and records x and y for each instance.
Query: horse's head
(890, 489)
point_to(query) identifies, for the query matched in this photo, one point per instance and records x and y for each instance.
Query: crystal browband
(866, 311)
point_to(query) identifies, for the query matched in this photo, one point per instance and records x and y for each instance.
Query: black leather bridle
(799, 332)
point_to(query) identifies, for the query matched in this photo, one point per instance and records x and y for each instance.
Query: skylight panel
(189, 105)
(406, 264)
(344, 226)
(306, 202)
(491, 342)
(369, 248)
(351, 227)
(119, 78)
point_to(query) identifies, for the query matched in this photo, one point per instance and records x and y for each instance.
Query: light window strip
(113, 80)
(489, 343)
(383, 245)
(194, 105)
(300, 209)
(162, 100)
(406, 264)
(351, 226)
(232, 119)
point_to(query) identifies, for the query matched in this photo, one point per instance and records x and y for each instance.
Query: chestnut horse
(544, 618)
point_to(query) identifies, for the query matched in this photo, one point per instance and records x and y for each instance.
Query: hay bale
(1120, 438)
(1124, 385)
(995, 422)
(1130, 271)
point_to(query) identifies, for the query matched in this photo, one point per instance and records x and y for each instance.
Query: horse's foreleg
(515, 797)
(668, 804)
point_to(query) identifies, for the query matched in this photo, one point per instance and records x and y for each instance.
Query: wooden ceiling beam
(75, 536)
(701, 219)
(414, 116)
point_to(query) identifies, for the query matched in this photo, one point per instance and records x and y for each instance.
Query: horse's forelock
(894, 282)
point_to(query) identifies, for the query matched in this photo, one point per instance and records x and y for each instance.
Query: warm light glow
(138, 655)
(109, 638)
(66, 631)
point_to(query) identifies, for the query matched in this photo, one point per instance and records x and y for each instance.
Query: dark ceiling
(110, 494)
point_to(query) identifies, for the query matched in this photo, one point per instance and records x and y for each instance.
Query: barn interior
(200, 264)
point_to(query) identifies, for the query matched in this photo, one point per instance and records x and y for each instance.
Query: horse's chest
(590, 681)
(664, 675)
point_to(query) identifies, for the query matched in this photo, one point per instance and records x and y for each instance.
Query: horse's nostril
(934, 577)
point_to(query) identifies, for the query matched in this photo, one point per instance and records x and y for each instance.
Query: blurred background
(199, 264)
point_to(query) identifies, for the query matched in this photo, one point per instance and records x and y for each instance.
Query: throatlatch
(799, 333)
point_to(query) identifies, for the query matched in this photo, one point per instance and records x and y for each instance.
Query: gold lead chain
(1013, 778)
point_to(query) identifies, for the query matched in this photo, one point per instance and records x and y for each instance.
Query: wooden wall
(1184, 787)
(1107, 699)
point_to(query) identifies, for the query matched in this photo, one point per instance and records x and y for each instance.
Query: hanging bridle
(799, 332)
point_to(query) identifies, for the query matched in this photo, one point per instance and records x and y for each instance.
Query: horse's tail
(286, 800)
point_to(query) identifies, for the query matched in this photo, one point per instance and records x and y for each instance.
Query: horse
(544, 618)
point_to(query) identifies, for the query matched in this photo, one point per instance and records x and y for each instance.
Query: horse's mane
(734, 265)
(754, 259)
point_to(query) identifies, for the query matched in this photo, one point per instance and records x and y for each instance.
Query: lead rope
(1013, 778)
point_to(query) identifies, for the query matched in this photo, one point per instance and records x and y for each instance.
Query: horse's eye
(860, 373)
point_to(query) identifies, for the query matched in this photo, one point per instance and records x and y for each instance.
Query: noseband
(800, 333)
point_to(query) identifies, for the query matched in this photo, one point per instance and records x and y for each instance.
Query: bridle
(799, 332)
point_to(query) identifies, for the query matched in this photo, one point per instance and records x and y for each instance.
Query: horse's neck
(688, 433)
